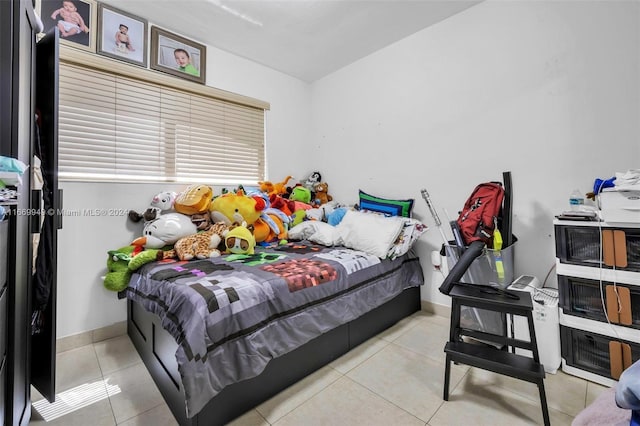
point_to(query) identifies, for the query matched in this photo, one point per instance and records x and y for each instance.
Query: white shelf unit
(598, 268)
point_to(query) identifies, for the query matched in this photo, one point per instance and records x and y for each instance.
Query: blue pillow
(386, 206)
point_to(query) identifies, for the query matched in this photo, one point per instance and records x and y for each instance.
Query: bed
(221, 335)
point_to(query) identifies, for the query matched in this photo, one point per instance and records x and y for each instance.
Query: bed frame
(157, 349)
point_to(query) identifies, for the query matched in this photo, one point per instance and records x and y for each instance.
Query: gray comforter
(231, 315)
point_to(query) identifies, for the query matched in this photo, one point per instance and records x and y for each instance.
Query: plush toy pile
(196, 224)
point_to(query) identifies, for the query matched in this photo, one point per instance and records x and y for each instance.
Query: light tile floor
(395, 378)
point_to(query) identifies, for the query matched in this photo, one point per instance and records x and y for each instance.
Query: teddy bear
(161, 202)
(321, 193)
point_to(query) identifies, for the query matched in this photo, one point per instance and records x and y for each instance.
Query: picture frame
(122, 36)
(168, 49)
(78, 28)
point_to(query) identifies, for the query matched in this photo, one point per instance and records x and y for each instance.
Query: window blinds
(116, 128)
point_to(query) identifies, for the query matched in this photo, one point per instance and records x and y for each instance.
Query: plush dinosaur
(202, 245)
(277, 188)
(121, 264)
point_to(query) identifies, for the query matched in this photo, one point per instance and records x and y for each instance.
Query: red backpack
(478, 218)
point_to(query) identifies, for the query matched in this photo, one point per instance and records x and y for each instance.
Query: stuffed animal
(167, 229)
(300, 193)
(202, 245)
(161, 202)
(122, 262)
(271, 226)
(282, 204)
(240, 240)
(201, 220)
(193, 200)
(321, 193)
(312, 180)
(236, 207)
(277, 188)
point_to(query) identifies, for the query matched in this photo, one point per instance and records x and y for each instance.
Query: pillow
(386, 206)
(411, 231)
(370, 233)
(317, 232)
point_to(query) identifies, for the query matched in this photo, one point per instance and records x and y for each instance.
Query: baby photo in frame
(121, 35)
(75, 20)
(177, 55)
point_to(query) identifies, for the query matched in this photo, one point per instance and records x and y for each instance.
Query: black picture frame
(164, 48)
(122, 36)
(79, 30)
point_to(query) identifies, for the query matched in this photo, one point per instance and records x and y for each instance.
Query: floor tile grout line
(381, 396)
(306, 400)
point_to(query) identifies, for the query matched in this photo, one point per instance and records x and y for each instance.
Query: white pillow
(371, 233)
(317, 232)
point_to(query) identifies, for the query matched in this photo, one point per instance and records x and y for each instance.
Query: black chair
(494, 355)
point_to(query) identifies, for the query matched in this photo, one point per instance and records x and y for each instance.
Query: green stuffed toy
(122, 262)
(300, 193)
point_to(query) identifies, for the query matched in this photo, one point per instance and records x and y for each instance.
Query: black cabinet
(18, 105)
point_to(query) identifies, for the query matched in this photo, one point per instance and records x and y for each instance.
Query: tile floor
(395, 378)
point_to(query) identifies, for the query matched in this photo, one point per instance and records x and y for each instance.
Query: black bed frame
(157, 349)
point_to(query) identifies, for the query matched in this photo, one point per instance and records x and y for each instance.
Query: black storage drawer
(581, 297)
(581, 245)
(591, 351)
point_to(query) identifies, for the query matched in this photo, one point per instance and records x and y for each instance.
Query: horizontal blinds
(117, 128)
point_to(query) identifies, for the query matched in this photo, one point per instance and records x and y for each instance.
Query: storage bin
(485, 269)
(581, 245)
(581, 297)
(595, 352)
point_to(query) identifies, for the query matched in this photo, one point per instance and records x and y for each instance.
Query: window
(118, 128)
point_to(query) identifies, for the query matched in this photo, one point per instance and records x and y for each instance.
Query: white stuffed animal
(161, 202)
(167, 229)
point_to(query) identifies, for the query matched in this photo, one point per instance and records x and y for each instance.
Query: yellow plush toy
(236, 207)
(240, 240)
(193, 200)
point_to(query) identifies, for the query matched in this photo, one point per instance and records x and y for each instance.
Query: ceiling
(307, 39)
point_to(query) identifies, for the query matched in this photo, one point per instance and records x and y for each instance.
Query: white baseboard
(434, 308)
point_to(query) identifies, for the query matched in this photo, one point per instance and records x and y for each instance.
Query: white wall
(83, 303)
(547, 90)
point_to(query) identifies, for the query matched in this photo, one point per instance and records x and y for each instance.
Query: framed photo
(122, 35)
(75, 20)
(177, 55)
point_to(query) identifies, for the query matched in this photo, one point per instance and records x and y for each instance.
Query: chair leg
(447, 371)
(543, 403)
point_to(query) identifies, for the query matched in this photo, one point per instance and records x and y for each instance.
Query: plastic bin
(485, 269)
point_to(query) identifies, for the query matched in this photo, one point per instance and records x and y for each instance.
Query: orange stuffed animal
(277, 188)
